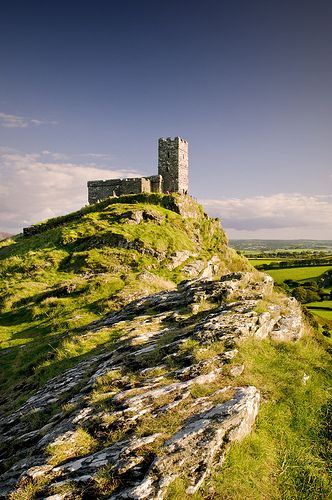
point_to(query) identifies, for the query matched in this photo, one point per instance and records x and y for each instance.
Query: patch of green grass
(79, 444)
(37, 419)
(177, 490)
(167, 423)
(272, 299)
(258, 262)
(322, 313)
(29, 489)
(262, 306)
(321, 304)
(207, 352)
(104, 482)
(297, 273)
(211, 390)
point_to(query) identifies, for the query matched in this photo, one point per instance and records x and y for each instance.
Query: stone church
(172, 175)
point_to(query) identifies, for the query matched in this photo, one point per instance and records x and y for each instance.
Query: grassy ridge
(85, 265)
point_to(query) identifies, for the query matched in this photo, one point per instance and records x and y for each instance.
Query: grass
(79, 444)
(322, 313)
(288, 455)
(297, 273)
(89, 264)
(29, 489)
(323, 309)
(258, 262)
(321, 304)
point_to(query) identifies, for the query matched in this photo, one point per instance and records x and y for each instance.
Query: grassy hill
(104, 340)
(76, 268)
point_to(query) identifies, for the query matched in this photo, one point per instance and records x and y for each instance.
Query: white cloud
(101, 156)
(33, 189)
(16, 121)
(43, 122)
(91, 156)
(282, 215)
(13, 121)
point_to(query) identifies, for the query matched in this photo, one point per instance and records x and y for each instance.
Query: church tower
(173, 164)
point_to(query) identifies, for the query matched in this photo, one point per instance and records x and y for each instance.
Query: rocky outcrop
(200, 444)
(163, 402)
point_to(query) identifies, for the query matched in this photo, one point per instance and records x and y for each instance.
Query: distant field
(322, 313)
(297, 273)
(323, 304)
(255, 245)
(258, 262)
(322, 309)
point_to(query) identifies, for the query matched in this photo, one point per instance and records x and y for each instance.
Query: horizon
(86, 91)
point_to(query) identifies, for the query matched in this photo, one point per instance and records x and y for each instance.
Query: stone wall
(99, 190)
(172, 175)
(156, 183)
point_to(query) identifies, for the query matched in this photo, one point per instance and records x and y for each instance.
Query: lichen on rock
(163, 403)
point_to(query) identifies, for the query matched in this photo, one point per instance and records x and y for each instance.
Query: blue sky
(86, 89)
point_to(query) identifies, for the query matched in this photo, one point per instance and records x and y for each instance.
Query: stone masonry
(172, 175)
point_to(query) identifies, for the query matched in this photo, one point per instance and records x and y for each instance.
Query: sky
(88, 87)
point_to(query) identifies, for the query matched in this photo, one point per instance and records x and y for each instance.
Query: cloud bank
(34, 187)
(282, 215)
(16, 121)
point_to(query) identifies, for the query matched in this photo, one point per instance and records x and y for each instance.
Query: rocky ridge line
(174, 346)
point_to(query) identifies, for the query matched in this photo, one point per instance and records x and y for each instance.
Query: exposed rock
(193, 268)
(212, 268)
(132, 216)
(138, 216)
(290, 325)
(236, 370)
(199, 445)
(184, 206)
(179, 258)
(151, 375)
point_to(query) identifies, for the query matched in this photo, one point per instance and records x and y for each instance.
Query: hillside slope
(127, 377)
(78, 267)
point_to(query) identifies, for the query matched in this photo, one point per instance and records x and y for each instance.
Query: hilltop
(137, 346)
